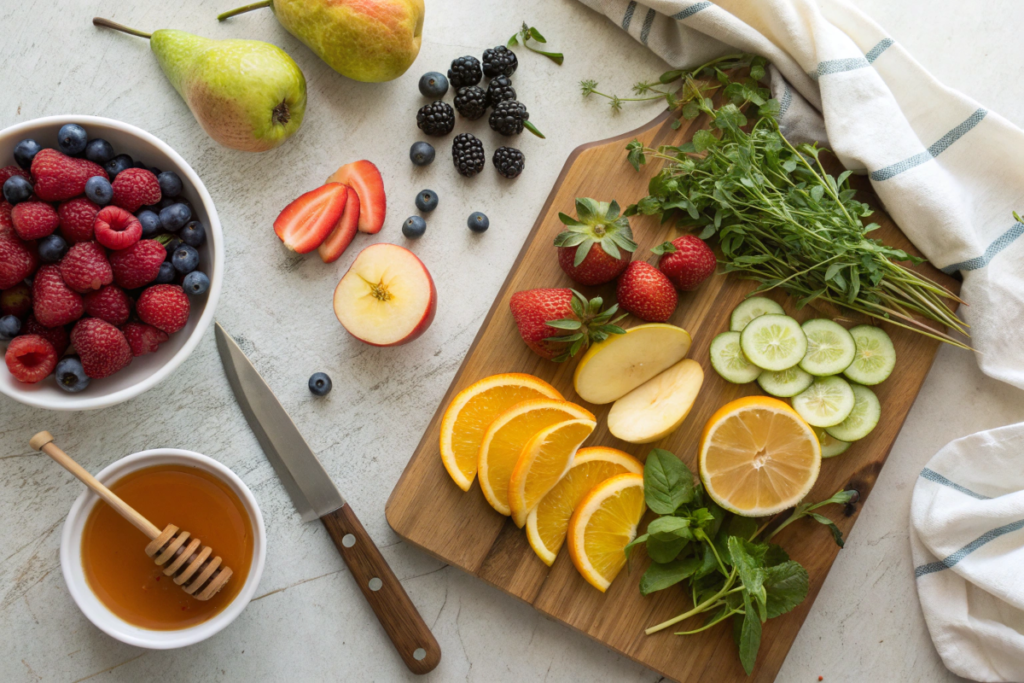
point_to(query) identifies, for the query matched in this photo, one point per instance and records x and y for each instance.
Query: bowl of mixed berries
(111, 257)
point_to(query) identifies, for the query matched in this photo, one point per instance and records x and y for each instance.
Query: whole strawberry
(53, 302)
(33, 220)
(687, 261)
(77, 217)
(644, 291)
(135, 188)
(85, 267)
(143, 338)
(550, 319)
(57, 177)
(139, 264)
(165, 307)
(101, 347)
(17, 261)
(109, 303)
(596, 246)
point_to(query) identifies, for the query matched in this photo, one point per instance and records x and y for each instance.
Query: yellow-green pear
(246, 94)
(367, 40)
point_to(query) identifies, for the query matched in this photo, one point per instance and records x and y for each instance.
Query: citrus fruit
(611, 369)
(603, 524)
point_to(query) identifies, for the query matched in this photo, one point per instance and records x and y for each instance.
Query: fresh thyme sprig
(527, 33)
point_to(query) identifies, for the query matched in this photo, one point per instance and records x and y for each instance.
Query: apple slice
(657, 407)
(339, 239)
(387, 297)
(364, 178)
(611, 369)
(306, 222)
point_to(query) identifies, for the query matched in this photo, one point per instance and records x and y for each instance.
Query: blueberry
(99, 151)
(185, 259)
(433, 84)
(99, 190)
(155, 171)
(170, 183)
(421, 153)
(193, 234)
(10, 326)
(121, 162)
(141, 164)
(165, 202)
(320, 384)
(175, 216)
(17, 189)
(196, 283)
(25, 151)
(166, 275)
(150, 221)
(171, 246)
(52, 248)
(414, 227)
(478, 222)
(426, 200)
(71, 376)
(72, 139)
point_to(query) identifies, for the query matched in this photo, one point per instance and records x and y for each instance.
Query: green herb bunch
(528, 33)
(732, 569)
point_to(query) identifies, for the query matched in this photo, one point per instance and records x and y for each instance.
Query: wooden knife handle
(381, 588)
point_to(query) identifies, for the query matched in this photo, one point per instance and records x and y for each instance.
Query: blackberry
(508, 117)
(468, 154)
(436, 118)
(471, 101)
(509, 161)
(465, 71)
(500, 88)
(499, 61)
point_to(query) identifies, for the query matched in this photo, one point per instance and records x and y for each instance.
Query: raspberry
(33, 220)
(134, 188)
(52, 301)
(77, 218)
(58, 177)
(165, 307)
(139, 264)
(116, 228)
(17, 261)
(8, 171)
(109, 303)
(85, 267)
(30, 358)
(101, 346)
(6, 224)
(16, 300)
(143, 338)
(57, 336)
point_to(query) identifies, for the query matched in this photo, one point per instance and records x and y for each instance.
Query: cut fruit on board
(728, 360)
(862, 419)
(830, 347)
(751, 308)
(363, 177)
(875, 357)
(611, 369)
(337, 242)
(657, 407)
(306, 222)
(773, 342)
(826, 403)
(544, 460)
(603, 525)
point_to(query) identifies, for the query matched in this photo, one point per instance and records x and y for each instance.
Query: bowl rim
(84, 401)
(98, 613)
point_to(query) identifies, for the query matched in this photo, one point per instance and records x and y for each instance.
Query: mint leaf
(665, 550)
(749, 636)
(786, 585)
(668, 483)
(635, 542)
(837, 534)
(703, 139)
(667, 528)
(750, 573)
(775, 555)
(661, 576)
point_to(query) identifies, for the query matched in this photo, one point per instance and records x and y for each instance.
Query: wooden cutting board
(427, 509)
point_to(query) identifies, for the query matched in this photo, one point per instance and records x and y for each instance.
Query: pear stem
(243, 10)
(100, 21)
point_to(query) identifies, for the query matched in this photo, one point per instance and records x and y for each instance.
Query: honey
(128, 582)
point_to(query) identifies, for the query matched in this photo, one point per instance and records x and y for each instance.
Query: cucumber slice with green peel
(728, 360)
(830, 348)
(826, 403)
(785, 383)
(830, 445)
(875, 357)
(751, 308)
(859, 423)
(773, 342)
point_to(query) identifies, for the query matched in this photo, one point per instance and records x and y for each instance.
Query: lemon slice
(544, 460)
(547, 524)
(603, 524)
(758, 456)
(473, 409)
(505, 438)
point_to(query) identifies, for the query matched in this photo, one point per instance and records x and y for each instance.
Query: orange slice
(473, 409)
(603, 524)
(544, 460)
(547, 524)
(505, 438)
(758, 457)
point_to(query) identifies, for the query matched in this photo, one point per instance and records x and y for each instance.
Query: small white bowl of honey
(120, 589)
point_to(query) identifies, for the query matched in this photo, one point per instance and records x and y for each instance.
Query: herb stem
(702, 607)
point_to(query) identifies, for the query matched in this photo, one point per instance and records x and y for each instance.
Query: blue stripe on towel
(648, 22)
(628, 17)
(935, 150)
(932, 475)
(691, 10)
(835, 66)
(876, 52)
(787, 99)
(1000, 243)
(933, 567)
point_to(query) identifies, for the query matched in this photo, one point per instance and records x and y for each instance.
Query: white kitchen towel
(967, 539)
(949, 172)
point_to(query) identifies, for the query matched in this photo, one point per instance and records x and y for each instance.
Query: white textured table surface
(309, 621)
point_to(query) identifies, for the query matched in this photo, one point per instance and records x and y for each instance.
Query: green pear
(246, 94)
(367, 40)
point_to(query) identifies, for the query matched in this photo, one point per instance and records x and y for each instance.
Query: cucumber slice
(859, 423)
(728, 360)
(785, 383)
(825, 403)
(830, 348)
(875, 357)
(751, 308)
(773, 342)
(830, 445)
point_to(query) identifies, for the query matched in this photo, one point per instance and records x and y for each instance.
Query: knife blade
(315, 496)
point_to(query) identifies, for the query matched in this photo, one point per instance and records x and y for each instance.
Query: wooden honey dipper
(186, 561)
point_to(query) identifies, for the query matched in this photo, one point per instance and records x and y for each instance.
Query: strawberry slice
(364, 178)
(339, 239)
(305, 223)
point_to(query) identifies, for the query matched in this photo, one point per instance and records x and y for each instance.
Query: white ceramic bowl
(145, 371)
(97, 612)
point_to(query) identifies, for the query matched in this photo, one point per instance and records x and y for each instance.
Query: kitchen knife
(315, 496)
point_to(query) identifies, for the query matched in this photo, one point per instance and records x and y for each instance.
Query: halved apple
(387, 297)
(657, 407)
(611, 369)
